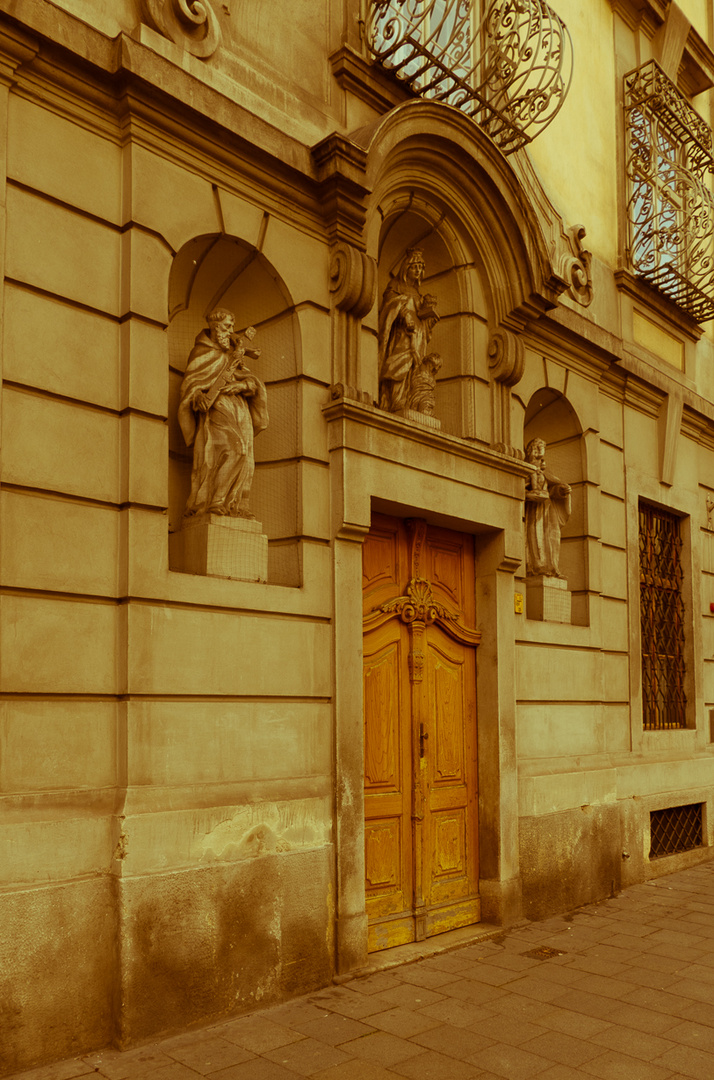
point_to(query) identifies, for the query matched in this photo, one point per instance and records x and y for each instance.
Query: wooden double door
(421, 781)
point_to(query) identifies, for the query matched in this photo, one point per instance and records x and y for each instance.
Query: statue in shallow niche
(547, 510)
(406, 320)
(222, 407)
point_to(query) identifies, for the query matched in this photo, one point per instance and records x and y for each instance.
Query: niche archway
(223, 271)
(551, 417)
(453, 275)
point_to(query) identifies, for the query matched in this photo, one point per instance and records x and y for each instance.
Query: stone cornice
(344, 411)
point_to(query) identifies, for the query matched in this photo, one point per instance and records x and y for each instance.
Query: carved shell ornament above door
(190, 23)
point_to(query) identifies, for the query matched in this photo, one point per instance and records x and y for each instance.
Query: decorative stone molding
(506, 357)
(353, 280)
(340, 166)
(576, 269)
(190, 23)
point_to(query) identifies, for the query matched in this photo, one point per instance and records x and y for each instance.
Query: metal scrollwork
(670, 208)
(511, 73)
(190, 23)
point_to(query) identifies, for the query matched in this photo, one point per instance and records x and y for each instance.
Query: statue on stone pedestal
(547, 510)
(222, 407)
(406, 320)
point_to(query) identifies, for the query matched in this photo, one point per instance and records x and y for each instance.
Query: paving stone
(258, 1034)
(533, 987)
(347, 1003)
(454, 1042)
(402, 1022)
(468, 990)
(364, 1070)
(561, 1048)
(61, 1070)
(606, 987)
(174, 1071)
(614, 1066)
(459, 1013)
(334, 1029)
(421, 976)
(258, 1069)
(410, 997)
(432, 1066)
(503, 1030)
(307, 1056)
(572, 1023)
(510, 1061)
(690, 1061)
(639, 1044)
(382, 1048)
(647, 1020)
(132, 1063)
(210, 1055)
(294, 1013)
(588, 1004)
(694, 1035)
(375, 984)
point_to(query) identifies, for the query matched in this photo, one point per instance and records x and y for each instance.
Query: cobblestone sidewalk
(621, 990)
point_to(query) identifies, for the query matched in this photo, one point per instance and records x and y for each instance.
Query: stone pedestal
(422, 418)
(218, 546)
(548, 599)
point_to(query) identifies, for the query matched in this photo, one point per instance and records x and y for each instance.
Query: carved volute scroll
(353, 284)
(576, 268)
(506, 359)
(190, 23)
(353, 280)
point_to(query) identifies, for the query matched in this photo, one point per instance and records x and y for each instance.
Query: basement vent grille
(677, 828)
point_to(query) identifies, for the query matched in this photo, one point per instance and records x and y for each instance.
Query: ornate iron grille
(678, 828)
(510, 72)
(661, 620)
(670, 208)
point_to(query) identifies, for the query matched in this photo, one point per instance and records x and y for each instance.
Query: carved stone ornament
(353, 280)
(576, 268)
(506, 357)
(190, 23)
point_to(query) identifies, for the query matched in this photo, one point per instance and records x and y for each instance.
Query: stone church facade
(447, 659)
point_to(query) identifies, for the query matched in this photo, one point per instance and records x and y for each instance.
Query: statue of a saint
(406, 320)
(547, 510)
(222, 407)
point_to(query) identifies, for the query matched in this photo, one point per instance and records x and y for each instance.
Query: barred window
(661, 620)
(670, 208)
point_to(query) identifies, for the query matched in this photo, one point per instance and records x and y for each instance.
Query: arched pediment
(497, 204)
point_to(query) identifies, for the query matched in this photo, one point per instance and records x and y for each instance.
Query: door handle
(423, 736)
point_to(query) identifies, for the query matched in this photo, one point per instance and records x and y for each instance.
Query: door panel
(387, 787)
(421, 829)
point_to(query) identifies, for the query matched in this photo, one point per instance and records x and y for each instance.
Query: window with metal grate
(661, 620)
(677, 828)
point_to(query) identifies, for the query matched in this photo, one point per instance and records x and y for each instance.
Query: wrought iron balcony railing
(670, 207)
(510, 70)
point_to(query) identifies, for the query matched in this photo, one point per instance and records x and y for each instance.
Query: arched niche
(214, 271)
(550, 416)
(454, 275)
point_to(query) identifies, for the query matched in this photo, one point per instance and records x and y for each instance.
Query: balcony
(509, 70)
(670, 209)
